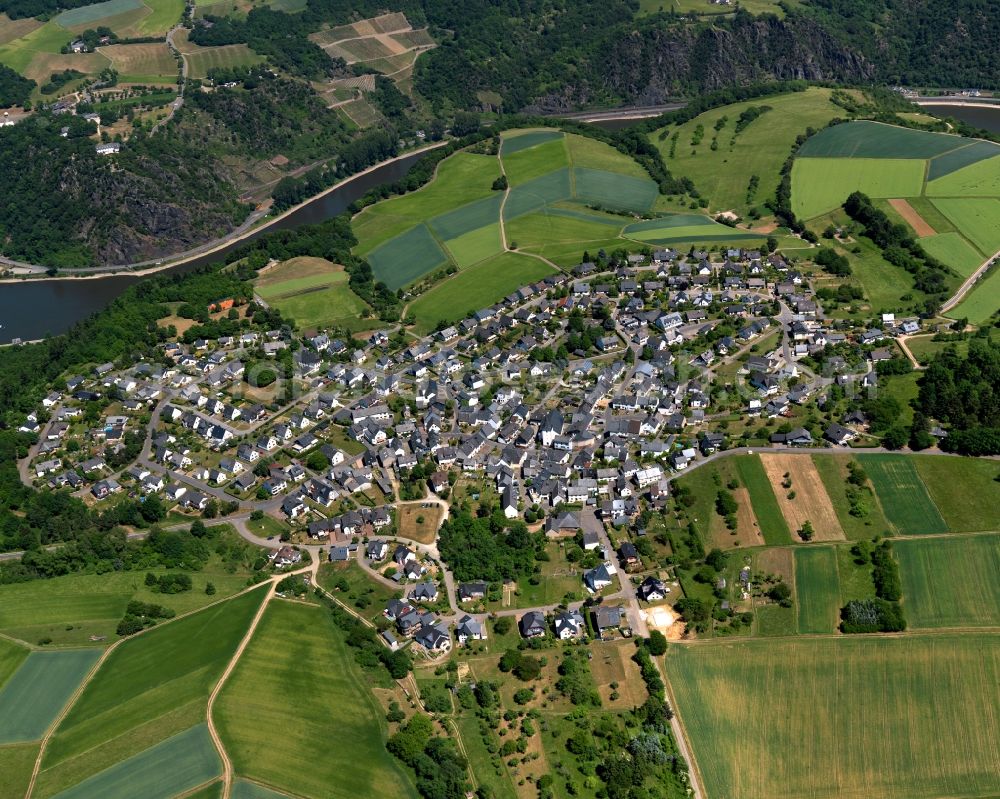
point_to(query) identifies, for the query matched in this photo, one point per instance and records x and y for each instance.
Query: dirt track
(811, 501)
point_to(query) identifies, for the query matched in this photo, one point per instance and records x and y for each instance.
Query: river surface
(986, 118)
(34, 309)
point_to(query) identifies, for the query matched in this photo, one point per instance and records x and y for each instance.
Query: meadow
(297, 687)
(817, 589)
(950, 582)
(981, 178)
(686, 227)
(772, 523)
(227, 56)
(12, 655)
(980, 305)
(902, 494)
(950, 248)
(833, 472)
(142, 63)
(826, 718)
(723, 175)
(16, 764)
(978, 219)
(149, 689)
(475, 288)
(72, 609)
(865, 139)
(37, 691)
(974, 508)
(823, 184)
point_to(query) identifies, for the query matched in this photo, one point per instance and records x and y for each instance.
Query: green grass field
(515, 141)
(166, 14)
(685, 227)
(951, 162)
(902, 494)
(228, 56)
(950, 582)
(150, 688)
(48, 39)
(817, 589)
(154, 61)
(832, 470)
(913, 717)
(979, 179)
(297, 686)
(16, 764)
(613, 190)
(866, 139)
(820, 185)
(772, 523)
(476, 245)
(976, 218)
(475, 288)
(952, 249)
(93, 14)
(12, 655)
(529, 163)
(336, 305)
(974, 508)
(723, 175)
(312, 291)
(980, 305)
(244, 789)
(177, 765)
(37, 691)
(71, 609)
(407, 257)
(538, 232)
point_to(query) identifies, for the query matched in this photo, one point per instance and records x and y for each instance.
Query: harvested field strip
(772, 523)
(950, 582)
(912, 218)
(37, 691)
(902, 494)
(811, 502)
(11, 29)
(817, 589)
(910, 717)
(175, 766)
(874, 140)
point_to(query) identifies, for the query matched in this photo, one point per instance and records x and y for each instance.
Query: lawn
(950, 582)
(175, 766)
(820, 185)
(297, 687)
(866, 139)
(952, 249)
(817, 589)
(979, 179)
(558, 578)
(976, 218)
(16, 764)
(71, 609)
(150, 688)
(902, 493)
(475, 288)
(361, 588)
(911, 717)
(972, 509)
(980, 304)
(772, 523)
(924, 348)
(37, 691)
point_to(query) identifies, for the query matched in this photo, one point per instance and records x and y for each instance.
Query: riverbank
(244, 231)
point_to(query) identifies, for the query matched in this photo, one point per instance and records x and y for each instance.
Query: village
(571, 405)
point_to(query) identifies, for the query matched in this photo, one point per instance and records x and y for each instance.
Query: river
(985, 118)
(33, 309)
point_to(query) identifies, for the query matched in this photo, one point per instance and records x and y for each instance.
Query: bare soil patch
(811, 501)
(409, 527)
(747, 529)
(913, 219)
